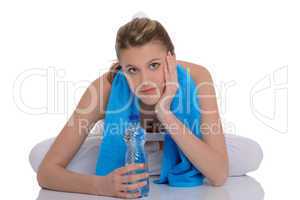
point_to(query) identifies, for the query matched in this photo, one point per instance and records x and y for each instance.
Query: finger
(134, 177)
(167, 61)
(167, 71)
(129, 195)
(127, 187)
(167, 77)
(172, 67)
(128, 168)
(171, 62)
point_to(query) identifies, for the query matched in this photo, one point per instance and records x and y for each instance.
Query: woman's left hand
(171, 85)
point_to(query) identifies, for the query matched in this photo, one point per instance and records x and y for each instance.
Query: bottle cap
(134, 117)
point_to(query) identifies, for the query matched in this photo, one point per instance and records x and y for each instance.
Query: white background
(250, 47)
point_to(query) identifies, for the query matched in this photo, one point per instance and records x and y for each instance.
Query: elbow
(40, 179)
(45, 174)
(221, 177)
(42, 174)
(219, 181)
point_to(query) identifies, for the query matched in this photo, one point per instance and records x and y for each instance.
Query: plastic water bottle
(135, 153)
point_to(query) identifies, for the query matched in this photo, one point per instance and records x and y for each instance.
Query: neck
(149, 109)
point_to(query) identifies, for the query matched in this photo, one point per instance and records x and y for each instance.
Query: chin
(149, 101)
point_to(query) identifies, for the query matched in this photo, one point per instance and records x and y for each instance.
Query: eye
(156, 65)
(131, 70)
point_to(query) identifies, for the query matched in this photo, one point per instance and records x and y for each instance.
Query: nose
(146, 80)
(144, 77)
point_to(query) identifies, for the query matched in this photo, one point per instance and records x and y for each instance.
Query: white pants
(245, 155)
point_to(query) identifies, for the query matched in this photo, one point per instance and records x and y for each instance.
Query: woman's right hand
(115, 184)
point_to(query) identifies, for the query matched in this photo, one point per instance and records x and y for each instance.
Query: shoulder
(101, 88)
(102, 82)
(202, 78)
(198, 72)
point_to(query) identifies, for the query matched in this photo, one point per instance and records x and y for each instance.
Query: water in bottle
(135, 153)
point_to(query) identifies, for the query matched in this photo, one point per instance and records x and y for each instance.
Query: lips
(148, 90)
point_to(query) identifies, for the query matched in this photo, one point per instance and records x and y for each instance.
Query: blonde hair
(135, 33)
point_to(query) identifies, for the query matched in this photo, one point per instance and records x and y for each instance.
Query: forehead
(141, 55)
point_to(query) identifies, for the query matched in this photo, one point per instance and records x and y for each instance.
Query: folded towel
(176, 169)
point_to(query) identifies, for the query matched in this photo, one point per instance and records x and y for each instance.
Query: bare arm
(210, 154)
(52, 173)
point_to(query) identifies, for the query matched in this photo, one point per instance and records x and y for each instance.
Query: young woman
(146, 56)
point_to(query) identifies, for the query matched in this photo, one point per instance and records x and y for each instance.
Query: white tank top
(153, 152)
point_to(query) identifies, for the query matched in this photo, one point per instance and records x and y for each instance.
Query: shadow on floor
(235, 188)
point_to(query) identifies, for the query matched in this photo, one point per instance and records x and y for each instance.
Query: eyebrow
(129, 65)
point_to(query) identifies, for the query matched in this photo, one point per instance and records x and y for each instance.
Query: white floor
(236, 188)
(273, 180)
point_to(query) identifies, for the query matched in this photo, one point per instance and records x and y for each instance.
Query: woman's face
(144, 69)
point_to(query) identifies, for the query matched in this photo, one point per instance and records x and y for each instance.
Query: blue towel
(176, 169)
